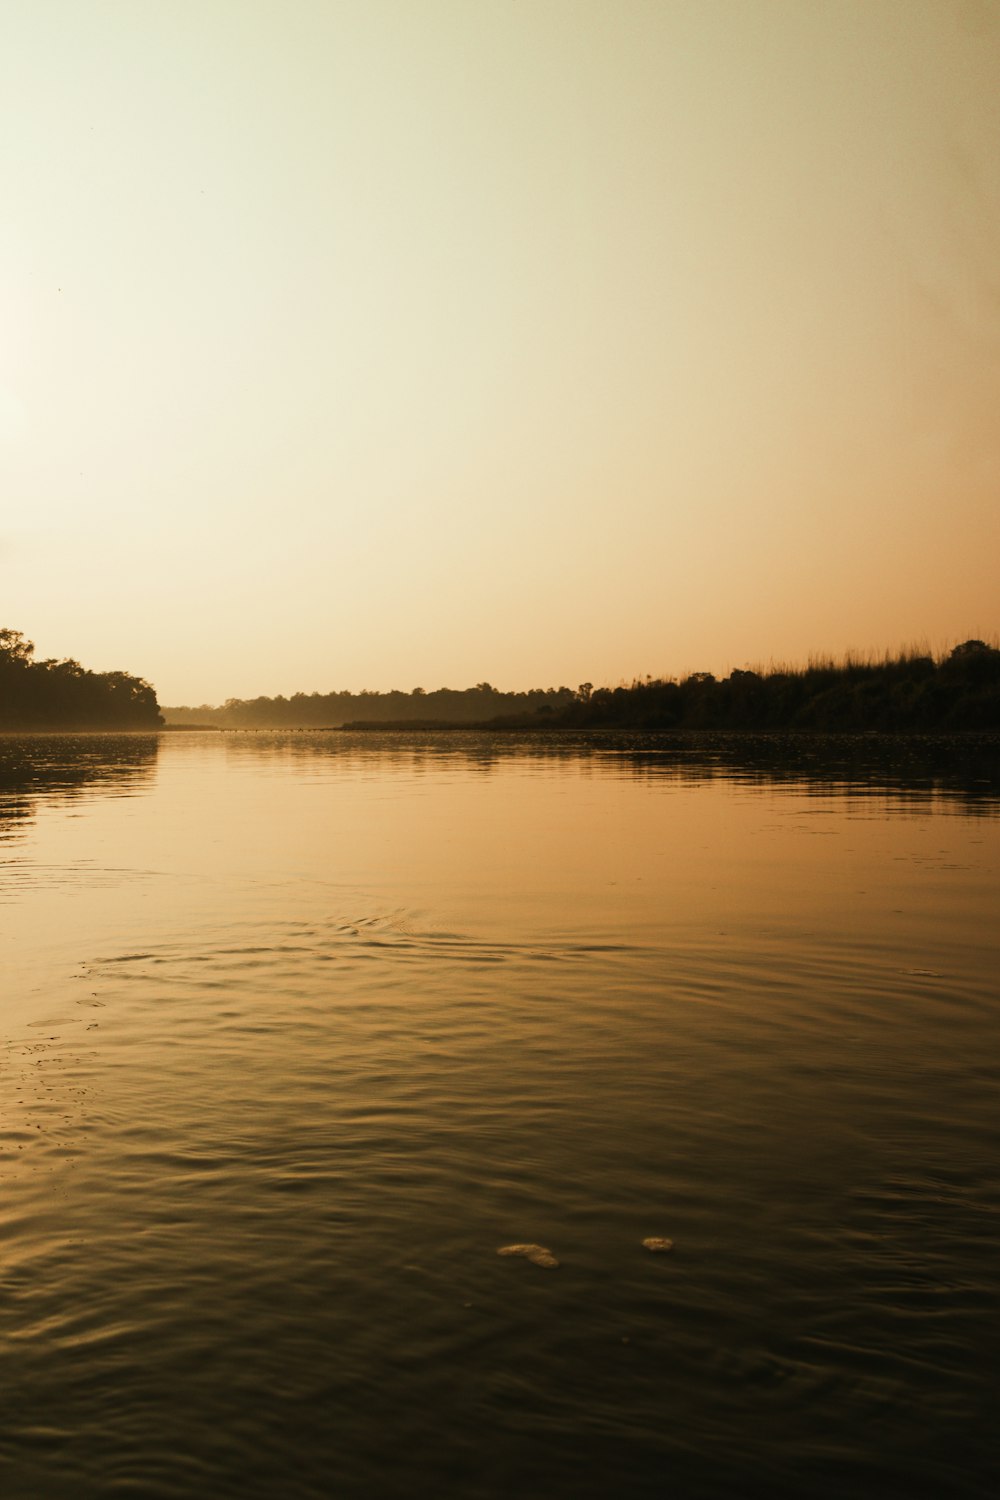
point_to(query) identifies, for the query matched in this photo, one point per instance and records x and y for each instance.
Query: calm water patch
(299, 1031)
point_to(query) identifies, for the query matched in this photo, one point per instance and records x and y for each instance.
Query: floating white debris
(656, 1242)
(537, 1254)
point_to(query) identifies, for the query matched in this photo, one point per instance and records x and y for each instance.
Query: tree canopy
(64, 695)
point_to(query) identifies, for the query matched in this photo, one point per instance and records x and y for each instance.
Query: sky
(397, 343)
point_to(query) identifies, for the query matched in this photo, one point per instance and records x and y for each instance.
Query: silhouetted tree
(64, 695)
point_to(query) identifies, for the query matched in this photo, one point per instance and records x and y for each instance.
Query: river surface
(298, 1031)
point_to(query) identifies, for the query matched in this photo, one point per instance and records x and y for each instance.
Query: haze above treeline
(909, 691)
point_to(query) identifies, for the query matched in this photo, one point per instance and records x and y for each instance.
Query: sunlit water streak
(300, 1030)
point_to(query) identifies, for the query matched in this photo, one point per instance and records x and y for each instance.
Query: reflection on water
(961, 766)
(305, 1029)
(62, 766)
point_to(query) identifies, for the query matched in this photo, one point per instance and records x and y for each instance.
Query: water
(299, 1030)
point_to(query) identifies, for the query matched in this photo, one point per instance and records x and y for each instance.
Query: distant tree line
(63, 695)
(331, 710)
(911, 692)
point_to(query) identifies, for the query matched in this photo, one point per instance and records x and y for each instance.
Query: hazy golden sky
(380, 343)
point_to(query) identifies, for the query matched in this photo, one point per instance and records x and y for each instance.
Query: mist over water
(299, 1030)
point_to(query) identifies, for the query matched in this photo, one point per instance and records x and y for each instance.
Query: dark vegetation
(39, 695)
(451, 706)
(911, 692)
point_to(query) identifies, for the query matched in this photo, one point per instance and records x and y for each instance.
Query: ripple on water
(249, 1224)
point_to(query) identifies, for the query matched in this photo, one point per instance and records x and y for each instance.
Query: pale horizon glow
(356, 343)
